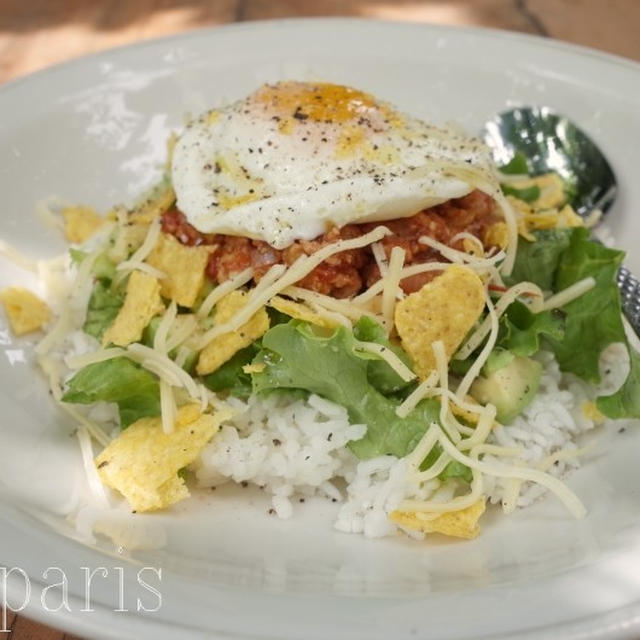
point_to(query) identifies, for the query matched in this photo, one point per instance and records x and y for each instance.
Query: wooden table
(38, 33)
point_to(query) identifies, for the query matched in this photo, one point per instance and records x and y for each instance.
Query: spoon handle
(629, 287)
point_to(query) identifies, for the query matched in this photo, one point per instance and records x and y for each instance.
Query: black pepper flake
(213, 488)
(298, 114)
(271, 511)
(276, 442)
(217, 168)
(301, 500)
(244, 484)
(329, 437)
(104, 463)
(620, 430)
(334, 500)
(307, 457)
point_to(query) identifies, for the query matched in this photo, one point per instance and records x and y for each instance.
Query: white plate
(94, 131)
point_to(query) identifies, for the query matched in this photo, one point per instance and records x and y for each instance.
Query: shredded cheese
(474, 370)
(569, 499)
(222, 290)
(447, 419)
(333, 316)
(434, 470)
(456, 504)
(569, 294)
(392, 284)
(90, 468)
(17, 257)
(381, 258)
(388, 356)
(460, 257)
(301, 267)
(417, 394)
(168, 409)
(179, 334)
(160, 339)
(346, 308)
(99, 355)
(144, 249)
(485, 327)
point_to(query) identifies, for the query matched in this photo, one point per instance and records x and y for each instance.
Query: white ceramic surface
(93, 131)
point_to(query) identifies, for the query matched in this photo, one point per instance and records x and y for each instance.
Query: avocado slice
(510, 388)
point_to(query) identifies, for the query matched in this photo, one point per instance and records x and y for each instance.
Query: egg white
(293, 159)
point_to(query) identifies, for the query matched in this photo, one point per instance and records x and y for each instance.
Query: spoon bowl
(552, 143)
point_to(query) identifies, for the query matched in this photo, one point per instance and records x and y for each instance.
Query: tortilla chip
(80, 223)
(184, 268)
(568, 218)
(497, 235)
(142, 302)
(301, 311)
(25, 311)
(224, 347)
(142, 463)
(157, 201)
(444, 309)
(457, 524)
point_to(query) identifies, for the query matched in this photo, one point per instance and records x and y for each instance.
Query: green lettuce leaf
(625, 403)
(103, 308)
(230, 376)
(521, 330)
(132, 388)
(528, 194)
(558, 259)
(379, 373)
(518, 165)
(296, 358)
(538, 261)
(593, 321)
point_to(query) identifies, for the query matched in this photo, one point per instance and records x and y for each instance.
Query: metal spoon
(551, 142)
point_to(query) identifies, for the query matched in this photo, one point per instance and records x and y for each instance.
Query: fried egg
(293, 159)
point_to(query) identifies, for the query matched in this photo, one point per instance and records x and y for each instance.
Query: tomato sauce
(349, 272)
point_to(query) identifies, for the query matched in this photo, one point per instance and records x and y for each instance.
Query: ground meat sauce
(349, 272)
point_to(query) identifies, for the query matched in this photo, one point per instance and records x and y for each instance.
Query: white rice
(296, 448)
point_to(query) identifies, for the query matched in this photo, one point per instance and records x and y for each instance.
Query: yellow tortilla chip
(80, 223)
(567, 217)
(184, 268)
(497, 235)
(458, 524)
(444, 309)
(25, 311)
(301, 311)
(142, 302)
(157, 201)
(142, 463)
(224, 347)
